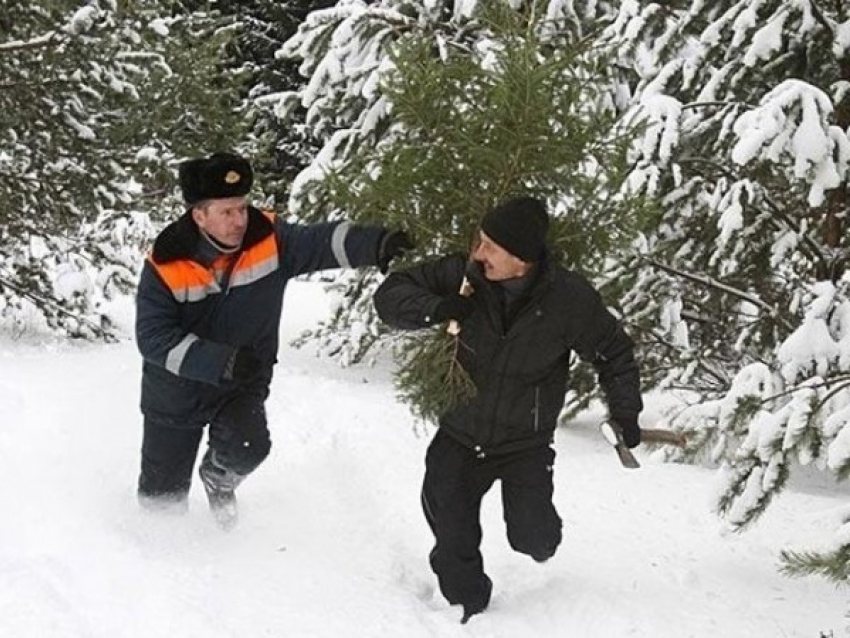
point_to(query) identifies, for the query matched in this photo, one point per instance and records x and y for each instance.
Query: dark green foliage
(735, 290)
(95, 104)
(497, 108)
(467, 132)
(281, 146)
(834, 565)
(430, 380)
(749, 487)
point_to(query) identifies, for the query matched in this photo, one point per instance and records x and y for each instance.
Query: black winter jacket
(520, 370)
(193, 311)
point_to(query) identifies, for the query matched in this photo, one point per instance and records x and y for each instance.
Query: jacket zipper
(536, 409)
(492, 416)
(504, 338)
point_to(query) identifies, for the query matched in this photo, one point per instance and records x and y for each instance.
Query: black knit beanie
(519, 226)
(218, 176)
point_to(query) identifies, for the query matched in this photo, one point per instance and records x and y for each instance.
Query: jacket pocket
(171, 399)
(548, 401)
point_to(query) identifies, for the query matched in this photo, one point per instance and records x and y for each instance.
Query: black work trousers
(456, 480)
(238, 441)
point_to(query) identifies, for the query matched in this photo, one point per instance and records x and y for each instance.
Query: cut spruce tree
(432, 118)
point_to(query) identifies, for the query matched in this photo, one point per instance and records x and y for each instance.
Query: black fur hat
(217, 176)
(519, 226)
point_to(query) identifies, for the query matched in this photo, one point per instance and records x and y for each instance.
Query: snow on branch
(713, 283)
(792, 122)
(46, 40)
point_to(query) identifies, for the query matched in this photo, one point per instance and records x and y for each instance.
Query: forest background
(694, 155)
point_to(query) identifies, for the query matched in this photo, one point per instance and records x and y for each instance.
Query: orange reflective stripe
(187, 280)
(182, 273)
(258, 253)
(272, 217)
(220, 266)
(255, 263)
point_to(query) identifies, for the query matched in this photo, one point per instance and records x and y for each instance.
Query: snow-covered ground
(331, 541)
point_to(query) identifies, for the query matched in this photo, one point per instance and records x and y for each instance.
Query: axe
(614, 436)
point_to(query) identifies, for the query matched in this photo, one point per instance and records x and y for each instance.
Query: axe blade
(613, 435)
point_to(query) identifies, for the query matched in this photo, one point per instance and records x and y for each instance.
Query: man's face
(498, 263)
(225, 220)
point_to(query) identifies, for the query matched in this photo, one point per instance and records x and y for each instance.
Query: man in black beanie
(208, 310)
(518, 329)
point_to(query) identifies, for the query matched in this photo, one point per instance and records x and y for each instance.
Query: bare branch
(713, 283)
(46, 40)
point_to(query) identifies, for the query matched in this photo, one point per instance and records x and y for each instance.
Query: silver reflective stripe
(196, 293)
(338, 244)
(176, 355)
(255, 272)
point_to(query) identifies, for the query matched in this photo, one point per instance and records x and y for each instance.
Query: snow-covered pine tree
(95, 101)
(748, 151)
(432, 113)
(279, 149)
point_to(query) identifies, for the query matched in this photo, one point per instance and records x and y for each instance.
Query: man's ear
(198, 216)
(474, 241)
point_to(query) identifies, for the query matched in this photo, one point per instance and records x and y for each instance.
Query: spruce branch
(842, 381)
(710, 282)
(431, 379)
(41, 42)
(52, 305)
(834, 565)
(818, 14)
(776, 210)
(717, 103)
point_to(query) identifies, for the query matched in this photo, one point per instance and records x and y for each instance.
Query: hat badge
(232, 177)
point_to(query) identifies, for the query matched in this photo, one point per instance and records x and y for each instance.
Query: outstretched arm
(307, 248)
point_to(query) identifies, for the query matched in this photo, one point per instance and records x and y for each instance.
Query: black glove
(242, 365)
(630, 430)
(456, 307)
(393, 244)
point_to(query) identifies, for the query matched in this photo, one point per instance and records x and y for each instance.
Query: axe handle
(613, 435)
(465, 290)
(667, 437)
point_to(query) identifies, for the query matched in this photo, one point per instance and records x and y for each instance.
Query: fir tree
(747, 148)
(432, 118)
(96, 101)
(280, 147)
(834, 565)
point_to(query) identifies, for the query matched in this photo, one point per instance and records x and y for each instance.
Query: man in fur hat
(208, 312)
(518, 329)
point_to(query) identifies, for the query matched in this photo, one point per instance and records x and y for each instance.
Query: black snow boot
(220, 485)
(470, 609)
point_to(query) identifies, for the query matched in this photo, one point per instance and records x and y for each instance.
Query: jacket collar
(543, 273)
(179, 240)
(490, 294)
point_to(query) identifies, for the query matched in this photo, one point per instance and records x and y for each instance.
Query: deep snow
(331, 541)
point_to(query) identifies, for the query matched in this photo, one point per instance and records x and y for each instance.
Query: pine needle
(431, 379)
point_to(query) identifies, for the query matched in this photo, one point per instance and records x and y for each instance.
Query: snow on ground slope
(332, 542)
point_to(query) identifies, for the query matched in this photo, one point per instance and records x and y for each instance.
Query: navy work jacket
(192, 312)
